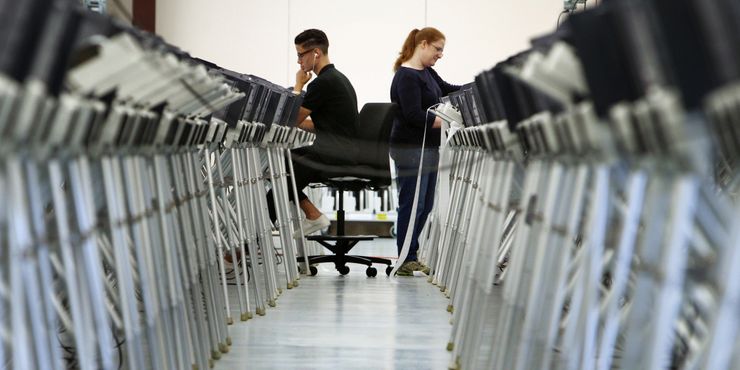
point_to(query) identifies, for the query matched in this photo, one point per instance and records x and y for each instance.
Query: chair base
(342, 245)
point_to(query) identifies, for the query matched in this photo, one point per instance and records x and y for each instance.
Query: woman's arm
(444, 85)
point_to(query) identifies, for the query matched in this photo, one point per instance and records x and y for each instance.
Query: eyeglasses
(439, 49)
(300, 55)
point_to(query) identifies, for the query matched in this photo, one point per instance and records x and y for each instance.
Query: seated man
(331, 103)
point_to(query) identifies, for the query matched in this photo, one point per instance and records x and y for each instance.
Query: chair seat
(341, 237)
(356, 177)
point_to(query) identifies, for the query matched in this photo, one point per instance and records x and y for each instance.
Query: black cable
(119, 344)
(71, 358)
(561, 14)
(236, 277)
(278, 256)
(197, 95)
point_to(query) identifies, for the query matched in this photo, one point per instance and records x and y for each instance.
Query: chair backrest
(374, 132)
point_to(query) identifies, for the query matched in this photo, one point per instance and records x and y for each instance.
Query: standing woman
(415, 88)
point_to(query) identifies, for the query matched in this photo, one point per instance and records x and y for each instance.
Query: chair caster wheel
(371, 272)
(312, 270)
(344, 270)
(388, 270)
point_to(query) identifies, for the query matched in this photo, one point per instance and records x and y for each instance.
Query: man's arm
(303, 121)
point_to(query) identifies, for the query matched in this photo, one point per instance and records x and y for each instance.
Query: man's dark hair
(313, 38)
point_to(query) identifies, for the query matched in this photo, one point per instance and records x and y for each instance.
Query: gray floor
(350, 322)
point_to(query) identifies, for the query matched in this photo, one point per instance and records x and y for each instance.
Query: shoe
(312, 226)
(418, 266)
(406, 269)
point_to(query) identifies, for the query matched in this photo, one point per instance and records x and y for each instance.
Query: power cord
(71, 357)
(559, 16)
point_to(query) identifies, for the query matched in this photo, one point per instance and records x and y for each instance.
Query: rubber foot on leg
(450, 346)
(223, 347)
(210, 363)
(228, 341)
(230, 321)
(245, 316)
(450, 309)
(215, 355)
(271, 303)
(261, 311)
(290, 286)
(455, 365)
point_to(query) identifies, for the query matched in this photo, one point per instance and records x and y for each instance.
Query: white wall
(481, 33)
(365, 37)
(247, 36)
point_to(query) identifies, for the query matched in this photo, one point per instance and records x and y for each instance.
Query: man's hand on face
(302, 77)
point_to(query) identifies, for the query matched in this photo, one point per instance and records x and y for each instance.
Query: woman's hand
(437, 123)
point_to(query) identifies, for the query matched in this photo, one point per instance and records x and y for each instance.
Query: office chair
(371, 172)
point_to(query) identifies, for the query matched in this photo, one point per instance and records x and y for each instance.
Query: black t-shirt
(333, 104)
(415, 91)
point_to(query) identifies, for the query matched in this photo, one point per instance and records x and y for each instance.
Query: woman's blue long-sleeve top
(415, 91)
